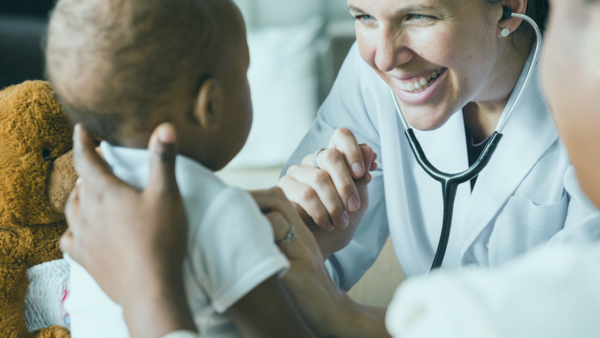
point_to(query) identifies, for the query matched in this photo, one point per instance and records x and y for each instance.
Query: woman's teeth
(422, 84)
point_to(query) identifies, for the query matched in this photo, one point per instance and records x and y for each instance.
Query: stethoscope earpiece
(506, 13)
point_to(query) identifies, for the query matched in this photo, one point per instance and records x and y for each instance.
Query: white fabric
(552, 292)
(280, 13)
(284, 83)
(182, 334)
(47, 287)
(231, 250)
(526, 196)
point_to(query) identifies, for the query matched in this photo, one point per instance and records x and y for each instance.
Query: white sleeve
(349, 105)
(551, 292)
(233, 249)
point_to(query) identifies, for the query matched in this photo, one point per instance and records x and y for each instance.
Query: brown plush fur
(36, 177)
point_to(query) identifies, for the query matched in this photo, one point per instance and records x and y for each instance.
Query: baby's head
(122, 67)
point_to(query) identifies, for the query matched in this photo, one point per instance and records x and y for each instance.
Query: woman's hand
(329, 311)
(335, 196)
(132, 243)
(315, 299)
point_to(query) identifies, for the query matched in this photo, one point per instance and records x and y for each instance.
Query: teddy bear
(36, 177)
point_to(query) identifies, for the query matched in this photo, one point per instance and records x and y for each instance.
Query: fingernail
(357, 169)
(345, 220)
(78, 182)
(77, 127)
(329, 226)
(166, 135)
(353, 204)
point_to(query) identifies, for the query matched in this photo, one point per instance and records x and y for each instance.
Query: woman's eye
(418, 17)
(364, 18)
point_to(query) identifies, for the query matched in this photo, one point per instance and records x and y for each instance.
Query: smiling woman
(453, 66)
(439, 56)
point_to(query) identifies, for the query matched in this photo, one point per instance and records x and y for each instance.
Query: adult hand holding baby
(135, 274)
(333, 194)
(328, 310)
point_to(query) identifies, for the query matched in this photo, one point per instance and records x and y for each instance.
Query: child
(121, 67)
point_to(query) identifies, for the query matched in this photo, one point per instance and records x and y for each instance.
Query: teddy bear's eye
(46, 153)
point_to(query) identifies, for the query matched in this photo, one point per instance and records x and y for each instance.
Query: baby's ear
(208, 105)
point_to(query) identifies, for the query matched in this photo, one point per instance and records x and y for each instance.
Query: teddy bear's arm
(50, 332)
(17, 254)
(14, 248)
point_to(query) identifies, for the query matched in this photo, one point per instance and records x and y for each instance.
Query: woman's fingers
(333, 162)
(330, 192)
(274, 199)
(344, 140)
(308, 199)
(280, 225)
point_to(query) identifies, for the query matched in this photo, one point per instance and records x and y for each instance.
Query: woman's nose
(391, 51)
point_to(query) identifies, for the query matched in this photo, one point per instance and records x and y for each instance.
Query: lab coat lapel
(527, 136)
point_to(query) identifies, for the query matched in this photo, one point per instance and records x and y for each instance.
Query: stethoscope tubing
(450, 182)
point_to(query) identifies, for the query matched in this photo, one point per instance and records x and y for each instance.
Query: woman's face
(570, 70)
(437, 55)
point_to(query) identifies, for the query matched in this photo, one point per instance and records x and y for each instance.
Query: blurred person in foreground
(553, 292)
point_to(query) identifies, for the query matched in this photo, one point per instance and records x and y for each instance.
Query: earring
(505, 32)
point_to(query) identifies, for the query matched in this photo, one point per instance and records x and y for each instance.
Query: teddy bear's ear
(34, 131)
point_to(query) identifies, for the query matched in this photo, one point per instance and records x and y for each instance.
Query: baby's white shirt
(231, 250)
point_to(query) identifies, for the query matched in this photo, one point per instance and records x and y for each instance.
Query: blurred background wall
(296, 49)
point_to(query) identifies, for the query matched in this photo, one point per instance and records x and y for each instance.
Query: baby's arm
(268, 311)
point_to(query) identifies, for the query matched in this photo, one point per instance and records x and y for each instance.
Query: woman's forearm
(362, 321)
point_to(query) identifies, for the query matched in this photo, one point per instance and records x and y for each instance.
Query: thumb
(163, 153)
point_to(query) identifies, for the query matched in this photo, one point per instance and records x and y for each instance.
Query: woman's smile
(420, 88)
(440, 55)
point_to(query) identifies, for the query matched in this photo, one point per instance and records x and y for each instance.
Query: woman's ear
(516, 6)
(207, 108)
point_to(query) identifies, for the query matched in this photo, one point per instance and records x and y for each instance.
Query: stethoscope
(450, 182)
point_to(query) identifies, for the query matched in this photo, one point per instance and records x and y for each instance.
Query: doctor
(453, 65)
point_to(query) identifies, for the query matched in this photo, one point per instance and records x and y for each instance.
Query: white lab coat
(552, 292)
(526, 196)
